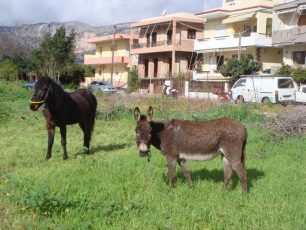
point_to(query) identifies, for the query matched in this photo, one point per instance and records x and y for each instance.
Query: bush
(234, 67)
(8, 70)
(299, 75)
(284, 70)
(133, 81)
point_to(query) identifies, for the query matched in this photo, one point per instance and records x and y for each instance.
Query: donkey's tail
(244, 151)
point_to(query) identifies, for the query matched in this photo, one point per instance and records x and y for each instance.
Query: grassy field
(116, 189)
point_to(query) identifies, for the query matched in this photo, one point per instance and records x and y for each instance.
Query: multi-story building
(238, 27)
(111, 65)
(289, 31)
(165, 47)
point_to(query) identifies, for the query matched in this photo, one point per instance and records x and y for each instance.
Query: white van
(264, 88)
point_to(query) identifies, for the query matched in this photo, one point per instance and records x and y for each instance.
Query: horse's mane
(56, 89)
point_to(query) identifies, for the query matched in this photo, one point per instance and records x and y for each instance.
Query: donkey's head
(143, 131)
(42, 90)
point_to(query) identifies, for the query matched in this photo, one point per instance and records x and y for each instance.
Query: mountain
(19, 41)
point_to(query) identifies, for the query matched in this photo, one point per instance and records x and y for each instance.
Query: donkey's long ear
(137, 114)
(150, 113)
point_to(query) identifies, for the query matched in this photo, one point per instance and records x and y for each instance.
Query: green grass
(116, 189)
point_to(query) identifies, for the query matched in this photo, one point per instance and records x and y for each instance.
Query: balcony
(231, 42)
(162, 46)
(96, 60)
(294, 35)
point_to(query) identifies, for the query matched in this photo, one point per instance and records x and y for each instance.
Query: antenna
(164, 12)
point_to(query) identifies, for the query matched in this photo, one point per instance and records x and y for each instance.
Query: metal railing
(162, 43)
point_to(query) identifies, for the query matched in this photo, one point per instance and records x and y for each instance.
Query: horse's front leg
(51, 133)
(63, 130)
(50, 125)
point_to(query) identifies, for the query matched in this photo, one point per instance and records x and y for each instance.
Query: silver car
(103, 86)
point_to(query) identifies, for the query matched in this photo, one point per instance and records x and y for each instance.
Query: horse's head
(143, 131)
(42, 91)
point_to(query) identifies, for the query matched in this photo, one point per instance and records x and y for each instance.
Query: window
(169, 37)
(269, 27)
(115, 48)
(191, 34)
(239, 83)
(285, 83)
(299, 57)
(100, 51)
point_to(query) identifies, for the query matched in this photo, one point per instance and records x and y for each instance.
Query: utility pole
(113, 52)
(239, 46)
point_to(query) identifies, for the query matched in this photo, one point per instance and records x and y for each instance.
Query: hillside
(19, 41)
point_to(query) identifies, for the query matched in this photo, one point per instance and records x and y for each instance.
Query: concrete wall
(120, 73)
(288, 53)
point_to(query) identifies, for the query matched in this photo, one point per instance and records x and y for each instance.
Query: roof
(110, 38)
(186, 17)
(289, 5)
(224, 12)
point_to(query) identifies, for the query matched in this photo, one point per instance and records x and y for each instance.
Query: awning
(286, 11)
(239, 18)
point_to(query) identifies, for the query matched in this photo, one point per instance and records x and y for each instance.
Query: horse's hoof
(65, 157)
(47, 158)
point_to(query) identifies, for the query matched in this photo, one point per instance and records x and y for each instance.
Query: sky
(94, 12)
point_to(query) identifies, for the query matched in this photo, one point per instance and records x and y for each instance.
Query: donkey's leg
(227, 172)
(63, 130)
(171, 163)
(184, 167)
(51, 133)
(242, 174)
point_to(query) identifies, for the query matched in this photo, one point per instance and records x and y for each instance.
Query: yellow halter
(37, 102)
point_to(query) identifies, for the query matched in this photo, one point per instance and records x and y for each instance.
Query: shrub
(299, 75)
(234, 68)
(133, 81)
(284, 70)
(8, 70)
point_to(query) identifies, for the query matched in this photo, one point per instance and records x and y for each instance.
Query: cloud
(93, 12)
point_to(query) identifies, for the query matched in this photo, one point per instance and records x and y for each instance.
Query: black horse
(63, 109)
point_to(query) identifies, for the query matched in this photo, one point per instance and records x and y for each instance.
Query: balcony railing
(162, 43)
(290, 36)
(228, 42)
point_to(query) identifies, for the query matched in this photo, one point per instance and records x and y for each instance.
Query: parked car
(28, 85)
(103, 86)
(300, 95)
(264, 88)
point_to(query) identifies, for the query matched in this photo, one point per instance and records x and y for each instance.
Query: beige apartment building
(111, 66)
(165, 48)
(238, 27)
(289, 31)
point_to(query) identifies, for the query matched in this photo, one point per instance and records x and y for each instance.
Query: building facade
(111, 65)
(289, 31)
(165, 48)
(238, 27)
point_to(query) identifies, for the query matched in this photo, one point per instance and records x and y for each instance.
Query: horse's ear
(150, 113)
(137, 114)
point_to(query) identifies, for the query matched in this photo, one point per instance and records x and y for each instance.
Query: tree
(234, 67)
(284, 70)
(54, 54)
(133, 81)
(299, 75)
(8, 70)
